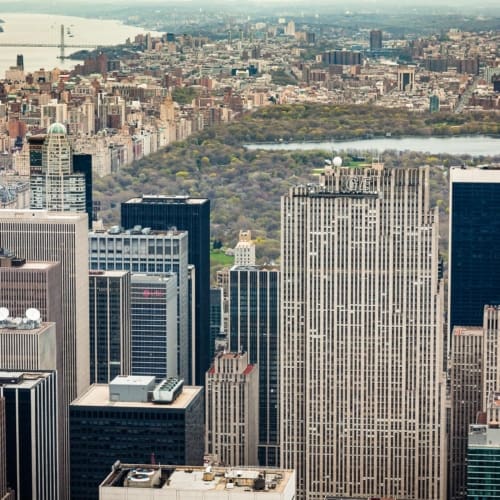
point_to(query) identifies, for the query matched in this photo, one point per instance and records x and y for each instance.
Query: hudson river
(46, 29)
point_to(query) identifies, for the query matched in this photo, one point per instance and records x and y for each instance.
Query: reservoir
(476, 145)
(46, 29)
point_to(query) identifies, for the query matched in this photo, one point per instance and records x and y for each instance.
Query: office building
(466, 367)
(191, 215)
(31, 433)
(142, 250)
(166, 482)
(361, 407)
(136, 421)
(110, 325)
(82, 164)
(483, 462)
(244, 252)
(3, 456)
(59, 237)
(232, 417)
(406, 78)
(31, 284)
(57, 187)
(474, 263)
(375, 40)
(154, 325)
(490, 367)
(216, 321)
(254, 328)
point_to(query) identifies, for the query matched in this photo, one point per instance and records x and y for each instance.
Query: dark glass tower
(82, 164)
(254, 322)
(185, 214)
(474, 275)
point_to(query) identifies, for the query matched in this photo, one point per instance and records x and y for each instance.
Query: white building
(362, 383)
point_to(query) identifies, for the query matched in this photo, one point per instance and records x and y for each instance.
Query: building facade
(191, 215)
(244, 252)
(474, 263)
(254, 328)
(154, 325)
(59, 237)
(109, 424)
(110, 325)
(466, 373)
(483, 462)
(57, 187)
(142, 250)
(231, 415)
(361, 406)
(31, 437)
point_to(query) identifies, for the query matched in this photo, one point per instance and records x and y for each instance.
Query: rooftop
(215, 481)
(161, 198)
(98, 395)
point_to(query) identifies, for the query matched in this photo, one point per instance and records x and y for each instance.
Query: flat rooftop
(98, 395)
(161, 198)
(208, 479)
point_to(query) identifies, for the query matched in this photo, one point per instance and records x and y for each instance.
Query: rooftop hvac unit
(143, 478)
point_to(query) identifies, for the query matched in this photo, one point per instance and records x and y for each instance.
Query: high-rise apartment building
(362, 384)
(31, 437)
(154, 325)
(231, 415)
(136, 421)
(57, 187)
(254, 328)
(375, 40)
(466, 366)
(142, 250)
(110, 325)
(191, 215)
(59, 237)
(474, 263)
(244, 252)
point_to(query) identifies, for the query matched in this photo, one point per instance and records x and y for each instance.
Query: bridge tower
(61, 46)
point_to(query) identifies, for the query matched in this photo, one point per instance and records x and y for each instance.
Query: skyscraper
(231, 415)
(32, 438)
(154, 325)
(191, 215)
(57, 187)
(110, 337)
(375, 40)
(466, 370)
(254, 328)
(474, 262)
(154, 252)
(59, 237)
(362, 384)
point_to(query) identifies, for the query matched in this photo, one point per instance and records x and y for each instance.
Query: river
(46, 29)
(472, 145)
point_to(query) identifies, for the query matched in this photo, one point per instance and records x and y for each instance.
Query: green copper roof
(57, 128)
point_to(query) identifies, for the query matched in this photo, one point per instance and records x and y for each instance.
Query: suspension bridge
(62, 45)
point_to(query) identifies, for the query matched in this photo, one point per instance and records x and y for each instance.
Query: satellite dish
(33, 314)
(4, 313)
(337, 161)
